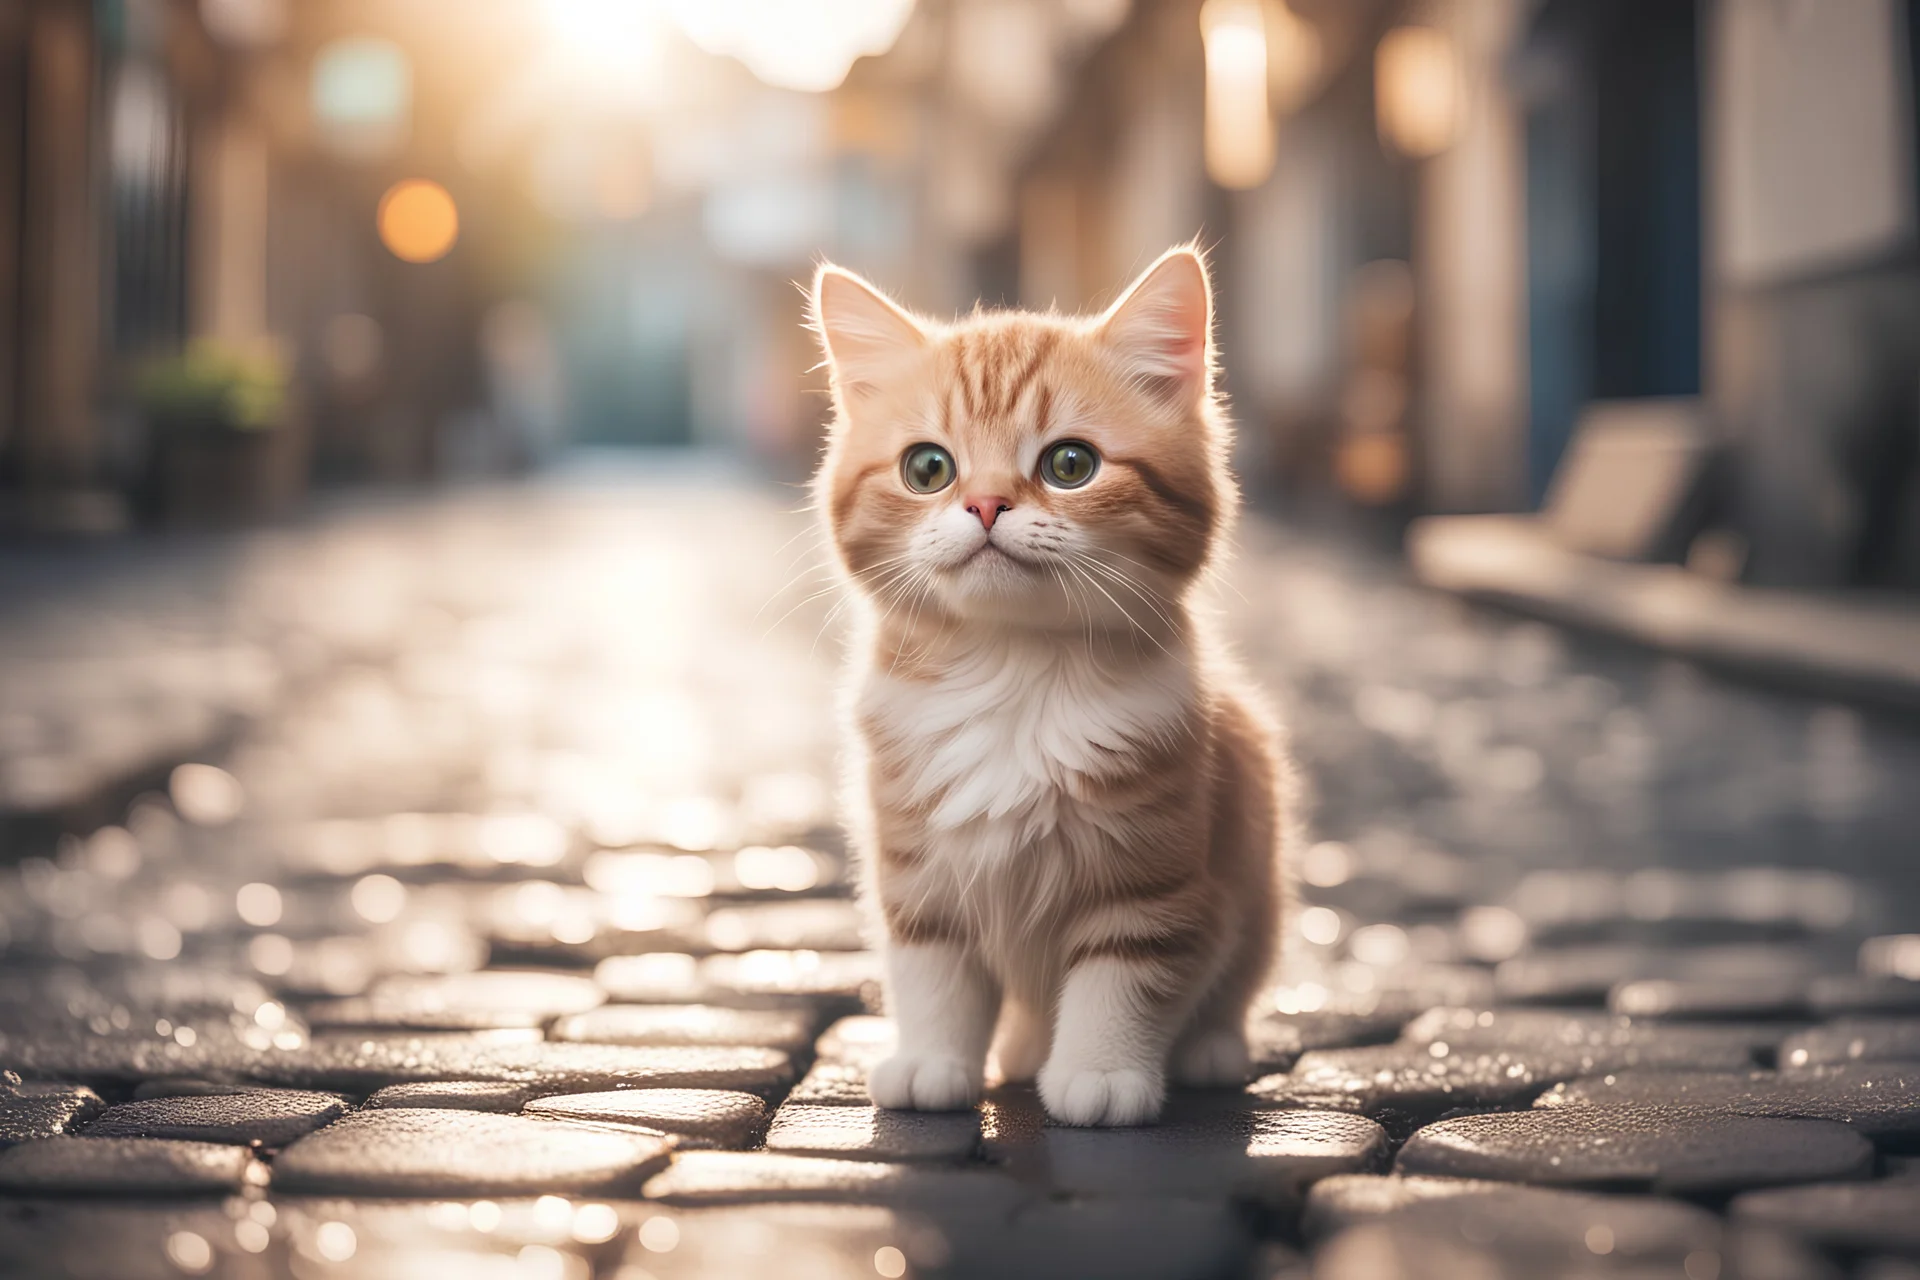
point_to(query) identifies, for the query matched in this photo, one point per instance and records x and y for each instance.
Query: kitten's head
(1031, 470)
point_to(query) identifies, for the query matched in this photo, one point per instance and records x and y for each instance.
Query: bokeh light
(418, 220)
(1239, 136)
(362, 97)
(258, 904)
(205, 795)
(1417, 90)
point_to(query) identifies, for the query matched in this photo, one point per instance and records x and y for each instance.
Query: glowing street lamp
(1239, 125)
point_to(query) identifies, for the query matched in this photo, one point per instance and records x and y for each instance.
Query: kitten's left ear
(865, 335)
(1162, 324)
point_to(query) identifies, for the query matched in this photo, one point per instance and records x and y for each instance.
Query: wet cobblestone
(1880, 1100)
(419, 1152)
(262, 1117)
(697, 1117)
(1670, 1148)
(468, 869)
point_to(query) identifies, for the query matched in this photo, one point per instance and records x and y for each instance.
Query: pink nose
(988, 507)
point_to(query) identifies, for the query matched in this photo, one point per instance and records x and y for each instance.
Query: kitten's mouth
(990, 553)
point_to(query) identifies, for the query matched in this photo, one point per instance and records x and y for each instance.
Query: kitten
(1067, 802)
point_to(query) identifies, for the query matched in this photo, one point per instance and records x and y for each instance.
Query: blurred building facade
(1443, 229)
(1477, 218)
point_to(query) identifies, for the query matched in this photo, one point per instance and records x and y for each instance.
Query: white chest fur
(1000, 737)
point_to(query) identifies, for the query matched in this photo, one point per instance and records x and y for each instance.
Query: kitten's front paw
(1212, 1060)
(923, 1082)
(1101, 1097)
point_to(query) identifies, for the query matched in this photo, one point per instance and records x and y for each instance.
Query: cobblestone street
(450, 886)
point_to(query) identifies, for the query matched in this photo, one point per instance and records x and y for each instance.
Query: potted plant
(221, 445)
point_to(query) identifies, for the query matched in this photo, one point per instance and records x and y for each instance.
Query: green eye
(927, 468)
(1069, 464)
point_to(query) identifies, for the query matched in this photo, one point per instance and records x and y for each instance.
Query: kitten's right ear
(865, 335)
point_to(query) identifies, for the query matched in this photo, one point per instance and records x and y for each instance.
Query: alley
(450, 884)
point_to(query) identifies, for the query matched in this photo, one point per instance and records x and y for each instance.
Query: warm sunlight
(608, 37)
(808, 45)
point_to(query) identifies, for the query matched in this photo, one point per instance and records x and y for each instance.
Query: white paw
(923, 1082)
(1211, 1060)
(1101, 1097)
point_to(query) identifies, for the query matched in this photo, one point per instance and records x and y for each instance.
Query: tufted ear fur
(1161, 328)
(866, 337)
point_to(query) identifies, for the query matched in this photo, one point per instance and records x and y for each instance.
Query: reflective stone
(802, 1241)
(127, 1167)
(44, 1110)
(862, 1038)
(869, 1133)
(1542, 1225)
(588, 1225)
(1835, 995)
(419, 1152)
(663, 977)
(1349, 1199)
(1853, 1040)
(361, 1064)
(1412, 1081)
(1685, 905)
(1204, 1145)
(833, 1084)
(1575, 975)
(1749, 997)
(455, 1095)
(205, 1049)
(1881, 1100)
(467, 1001)
(1666, 1149)
(155, 1238)
(267, 1117)
(1113, 1239)
(1600, 1042)
(789, 1030)
(849, 975)
(824, 924)
(700, 1117)
(757, 1177)
(179, 1087)
(1859, 1217)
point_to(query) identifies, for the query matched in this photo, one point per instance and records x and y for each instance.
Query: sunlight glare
(808, 45)
(612, 37)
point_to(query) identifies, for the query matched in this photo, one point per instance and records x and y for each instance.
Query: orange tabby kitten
(1066, 798)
